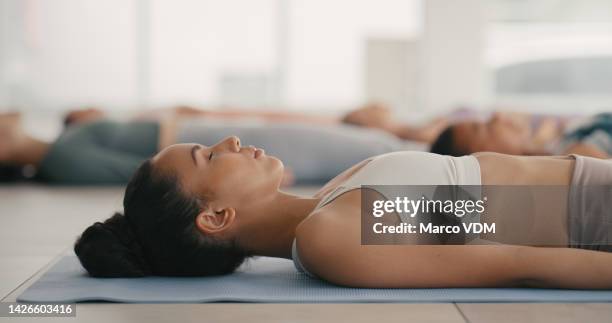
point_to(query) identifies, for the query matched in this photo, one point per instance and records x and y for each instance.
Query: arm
(548, 130)
(274, 116)
(587, 150)
(379, 117)
(341, 259)
(233, 113)
(427, 132)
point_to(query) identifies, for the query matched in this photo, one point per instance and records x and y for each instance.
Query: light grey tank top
(403, 168)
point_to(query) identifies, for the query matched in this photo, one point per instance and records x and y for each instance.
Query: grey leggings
(314, 153)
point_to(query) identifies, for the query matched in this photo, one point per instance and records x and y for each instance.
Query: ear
(211, 221)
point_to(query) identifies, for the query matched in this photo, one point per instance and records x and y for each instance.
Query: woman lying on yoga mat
(503, 133)
(194, 210)
(95, 151)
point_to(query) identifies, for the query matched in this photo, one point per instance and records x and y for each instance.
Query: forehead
(173, 158)
(171, 152)
(176, 161)
(469, 136)
(464, 129)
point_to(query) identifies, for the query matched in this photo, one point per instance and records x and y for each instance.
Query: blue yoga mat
(264, 280)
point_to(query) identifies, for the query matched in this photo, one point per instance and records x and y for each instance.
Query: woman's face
(501, 134)
(227, 173)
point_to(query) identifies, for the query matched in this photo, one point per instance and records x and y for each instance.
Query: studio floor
(39, 223)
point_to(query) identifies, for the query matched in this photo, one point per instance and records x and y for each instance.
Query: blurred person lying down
(95, 150)
(514, 134)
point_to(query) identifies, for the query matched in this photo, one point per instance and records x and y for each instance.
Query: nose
(231, 143)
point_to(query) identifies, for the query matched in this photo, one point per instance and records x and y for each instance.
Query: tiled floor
(37, 223)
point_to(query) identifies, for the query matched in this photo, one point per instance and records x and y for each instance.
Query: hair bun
(111, 249)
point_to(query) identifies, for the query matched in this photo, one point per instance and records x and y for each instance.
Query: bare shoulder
(328, 234)
(329, 240)
(323, 225)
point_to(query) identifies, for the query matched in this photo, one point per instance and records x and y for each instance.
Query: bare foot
(373, 115)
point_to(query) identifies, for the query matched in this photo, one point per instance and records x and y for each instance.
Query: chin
(278, 168)
(276, 163)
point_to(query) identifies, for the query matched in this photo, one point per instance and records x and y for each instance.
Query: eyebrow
(193, 156)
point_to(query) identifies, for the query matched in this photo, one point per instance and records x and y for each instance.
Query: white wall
(4, 26)
(453, 61)
(72, 52)
(302, 53)
(393, 73)
(196, 43)
(125, 53)
(328, 45)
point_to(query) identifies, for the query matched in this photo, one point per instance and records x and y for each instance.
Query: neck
(272, 229)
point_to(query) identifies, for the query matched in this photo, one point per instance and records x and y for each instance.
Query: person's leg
(17, 147)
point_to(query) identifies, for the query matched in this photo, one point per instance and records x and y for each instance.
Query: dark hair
(445, 144)
(68, 120)
(11, 173)
(156, 236)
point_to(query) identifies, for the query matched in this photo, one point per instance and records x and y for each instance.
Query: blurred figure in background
(94, 150)
(374, 115)
(509, 133)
